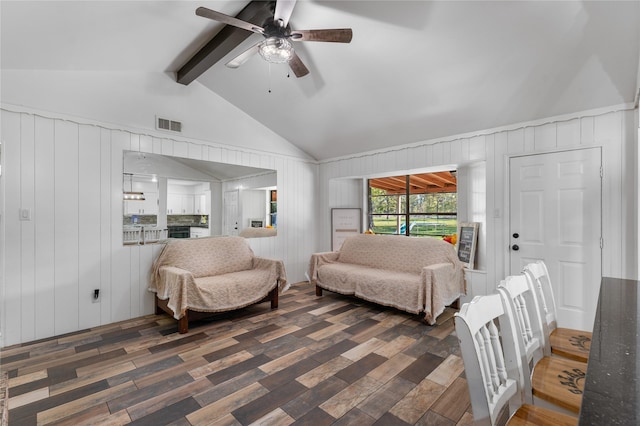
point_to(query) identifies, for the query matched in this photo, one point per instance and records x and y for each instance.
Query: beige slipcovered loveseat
(414, 274)
(193, 277)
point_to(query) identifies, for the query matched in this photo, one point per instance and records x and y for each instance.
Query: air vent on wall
(166, 124)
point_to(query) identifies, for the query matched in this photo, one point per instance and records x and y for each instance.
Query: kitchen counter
(611, 392)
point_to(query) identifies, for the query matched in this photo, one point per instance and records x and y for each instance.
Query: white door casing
(555, 214)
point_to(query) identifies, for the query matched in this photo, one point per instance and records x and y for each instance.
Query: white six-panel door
(555, 215)
(230, 208)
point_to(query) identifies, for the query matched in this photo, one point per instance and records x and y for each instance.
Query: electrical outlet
(25, 214)
(96, 296)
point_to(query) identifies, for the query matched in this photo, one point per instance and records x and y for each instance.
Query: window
(427, 202)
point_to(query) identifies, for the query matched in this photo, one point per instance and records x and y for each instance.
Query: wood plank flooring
(330, 360)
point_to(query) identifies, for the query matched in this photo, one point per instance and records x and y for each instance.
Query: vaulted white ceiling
(415, 70)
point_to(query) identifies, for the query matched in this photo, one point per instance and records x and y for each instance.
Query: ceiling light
(276, 50)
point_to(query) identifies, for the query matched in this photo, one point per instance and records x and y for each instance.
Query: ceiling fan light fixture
(276, 50)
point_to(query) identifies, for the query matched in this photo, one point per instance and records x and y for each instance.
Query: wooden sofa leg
(456, 304)
(274, 298)
(183, 324)
(318, 291)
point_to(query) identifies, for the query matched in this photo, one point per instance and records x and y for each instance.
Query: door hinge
(601, 243)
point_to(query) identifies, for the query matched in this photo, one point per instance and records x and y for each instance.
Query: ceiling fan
(276, 46)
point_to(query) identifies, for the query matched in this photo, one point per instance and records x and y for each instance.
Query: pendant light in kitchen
(130, 195)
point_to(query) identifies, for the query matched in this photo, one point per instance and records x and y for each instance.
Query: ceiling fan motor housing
(273, 28)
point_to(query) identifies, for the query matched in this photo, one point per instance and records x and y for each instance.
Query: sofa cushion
(391, 288)
(233, 290)
(209, 256)
(395, 252)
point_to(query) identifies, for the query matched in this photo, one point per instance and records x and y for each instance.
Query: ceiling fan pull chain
(269, 77)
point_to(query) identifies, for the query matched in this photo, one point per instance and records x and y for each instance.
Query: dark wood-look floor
(315, 360)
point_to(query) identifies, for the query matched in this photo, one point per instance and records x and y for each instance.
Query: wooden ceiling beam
(225, 41)
(445, 177)
(424, 183)
(383, 184)
(431, 190)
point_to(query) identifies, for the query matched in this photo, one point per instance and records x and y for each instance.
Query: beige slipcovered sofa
(193, 277)
(416, 274)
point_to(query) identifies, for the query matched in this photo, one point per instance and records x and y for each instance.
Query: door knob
(516, 235)
(515, 247)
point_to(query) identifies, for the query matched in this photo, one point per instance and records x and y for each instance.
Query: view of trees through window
(426, 202)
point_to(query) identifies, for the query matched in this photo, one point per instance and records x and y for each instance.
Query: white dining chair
(153, 235)
(496, 378)
(565, 342)
(131, 236)
(555, 381)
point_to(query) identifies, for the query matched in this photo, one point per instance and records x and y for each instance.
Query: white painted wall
(132, 100)
(69, 175)
(472, 205)
(482, 159)
(253, 203)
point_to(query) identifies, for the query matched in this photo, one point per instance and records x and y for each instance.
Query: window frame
(405, 215)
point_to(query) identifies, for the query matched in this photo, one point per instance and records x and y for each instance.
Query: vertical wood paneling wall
(68, 173)
(485, 157)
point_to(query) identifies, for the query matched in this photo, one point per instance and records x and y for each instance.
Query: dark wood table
(611, 391)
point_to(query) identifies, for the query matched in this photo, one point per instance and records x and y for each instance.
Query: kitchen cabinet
(196, 232)
(188, 203)
(180, 203)
(174, 204)
(147, 206)
(201, 204)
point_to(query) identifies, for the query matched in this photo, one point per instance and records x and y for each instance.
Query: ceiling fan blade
(229, 20)
(283, 11)
(338, 35)
(244, 56)
(296, 65)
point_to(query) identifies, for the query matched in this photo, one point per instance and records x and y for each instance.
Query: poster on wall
(344, 222)
(256, 223)
(466, 245)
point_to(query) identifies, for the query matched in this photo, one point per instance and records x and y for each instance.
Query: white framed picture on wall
(467, 242)
(344, 222)
(256, 223)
